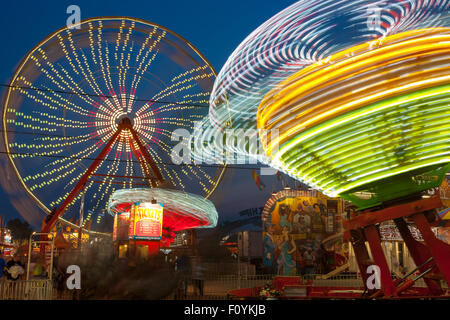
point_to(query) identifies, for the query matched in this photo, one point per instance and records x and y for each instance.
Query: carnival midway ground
(215, 287)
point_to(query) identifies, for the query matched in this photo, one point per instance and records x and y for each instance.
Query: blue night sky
(215, 28)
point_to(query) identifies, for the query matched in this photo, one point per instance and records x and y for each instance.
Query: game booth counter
(146, 220)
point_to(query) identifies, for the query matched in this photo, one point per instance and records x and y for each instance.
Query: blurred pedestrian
(15, 269)
(198, 277)
(2, 265)
(184, 267)
(309, 258)
(59, 269)
(38, 268)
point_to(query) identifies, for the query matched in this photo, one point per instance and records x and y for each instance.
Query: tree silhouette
(20, 230)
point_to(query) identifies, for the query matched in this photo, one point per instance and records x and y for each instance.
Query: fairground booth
(295, 225)
(303, 233)
(147, 220)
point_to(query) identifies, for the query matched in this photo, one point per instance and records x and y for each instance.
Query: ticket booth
(137, 233)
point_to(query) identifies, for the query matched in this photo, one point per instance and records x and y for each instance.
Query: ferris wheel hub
(125, 122)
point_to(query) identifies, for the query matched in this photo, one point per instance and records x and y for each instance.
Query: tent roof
(60, 242)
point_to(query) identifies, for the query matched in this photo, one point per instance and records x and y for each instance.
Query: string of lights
(229, 166)
(126, 98)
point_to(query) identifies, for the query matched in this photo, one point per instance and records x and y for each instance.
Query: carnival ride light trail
(370, 112)
(342, 95)
(352, 98)
(76, 89)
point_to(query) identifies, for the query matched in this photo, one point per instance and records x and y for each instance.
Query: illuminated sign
(252, 212)
(5, 236)
(146, 221)
(389, 232)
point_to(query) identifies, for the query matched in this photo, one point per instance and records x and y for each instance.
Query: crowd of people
(14, 268)
(11, 268)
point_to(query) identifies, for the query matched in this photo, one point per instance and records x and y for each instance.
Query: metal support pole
(51, 260)
(361, 254)
(143, 166)
(387, 284)
(239, 258)
(29, 257)
(147, 157)
(420, 254)
(439, 249)
(81, 220)
(43, 243)
(239, 269)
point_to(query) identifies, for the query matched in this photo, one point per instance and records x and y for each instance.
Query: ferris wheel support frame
(125, 124)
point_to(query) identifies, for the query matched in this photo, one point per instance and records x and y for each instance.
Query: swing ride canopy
(182, 210)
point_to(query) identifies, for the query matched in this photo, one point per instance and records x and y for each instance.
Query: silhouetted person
(184, 267)
(198, 277)
(2, 265)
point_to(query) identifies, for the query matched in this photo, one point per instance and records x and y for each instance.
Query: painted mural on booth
(294, 224)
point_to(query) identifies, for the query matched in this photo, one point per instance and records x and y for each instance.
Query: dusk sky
(215, 28)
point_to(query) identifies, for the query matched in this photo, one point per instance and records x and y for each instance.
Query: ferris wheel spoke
(103, 67)
(128, 172)
(177, 122)
(123, 68)
(140, 70)
(183, 83)
(161, 144)
(200, 179)
(51, 139)
(65, 85)
(42, 98)
(198, 168)
(92, 81)
(42, 144)
(55, 121)
(75, 86)
(76, 179)
(184, 105)
(155, 156)
(60, 199)
(58, 166)
(177, 181)
(84, 73)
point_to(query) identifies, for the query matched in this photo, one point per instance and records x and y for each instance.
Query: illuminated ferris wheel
(92, 109)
